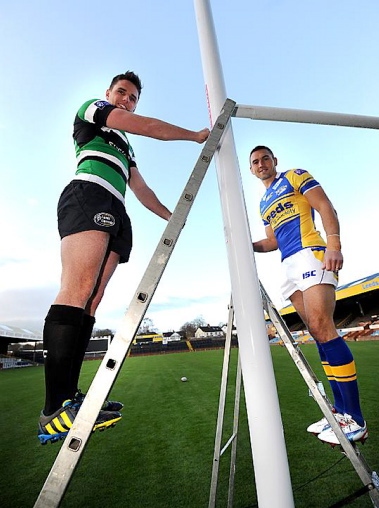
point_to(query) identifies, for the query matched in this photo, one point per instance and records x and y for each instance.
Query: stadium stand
(13, 334)
(356, 317)
(356, 301)
(211, 343)
(173, 347)
(159, 348)
(203, 343)
(146, 348)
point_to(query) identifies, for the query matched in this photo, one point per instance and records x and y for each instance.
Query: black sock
(60, 336)
(81, 347)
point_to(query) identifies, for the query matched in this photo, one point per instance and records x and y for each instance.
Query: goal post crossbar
(305, 116)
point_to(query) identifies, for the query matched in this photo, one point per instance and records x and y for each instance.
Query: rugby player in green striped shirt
(96, 236)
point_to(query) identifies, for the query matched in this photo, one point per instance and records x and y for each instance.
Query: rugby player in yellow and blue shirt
(310, 266)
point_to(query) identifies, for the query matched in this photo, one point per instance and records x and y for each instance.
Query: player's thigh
(319, 304)
(83, 255)
(110, 264)
(320, 296)
(297, 301)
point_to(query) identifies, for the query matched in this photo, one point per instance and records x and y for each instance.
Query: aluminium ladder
(74, 444)
(368, 477)
(218, 452)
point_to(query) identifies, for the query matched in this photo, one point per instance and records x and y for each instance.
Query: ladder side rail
(309, 377)
(221, 409)
(233, 456)
(286, 336)
(72, 448)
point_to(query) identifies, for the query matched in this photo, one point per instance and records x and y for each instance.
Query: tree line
(187, 330)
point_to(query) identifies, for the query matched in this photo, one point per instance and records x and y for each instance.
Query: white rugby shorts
(303, 270)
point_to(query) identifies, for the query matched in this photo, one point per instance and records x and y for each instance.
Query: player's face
(124, 95)
(263, 166)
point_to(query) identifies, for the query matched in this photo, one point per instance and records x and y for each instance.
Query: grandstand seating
(174, 346)
(12, 362)
(357, 334)
(211, 343)
(345, 321)
(146, 349)
(98, 345)
(31, 355)
(159, 348)
(180, 346)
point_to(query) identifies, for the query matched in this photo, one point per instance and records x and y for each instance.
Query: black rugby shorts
(87, 206)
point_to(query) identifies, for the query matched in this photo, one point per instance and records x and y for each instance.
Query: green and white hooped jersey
(104, 155)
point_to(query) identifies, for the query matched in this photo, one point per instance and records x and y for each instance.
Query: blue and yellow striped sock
(338, 399)
(342, 366)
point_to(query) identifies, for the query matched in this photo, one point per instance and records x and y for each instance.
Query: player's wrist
(333, 242)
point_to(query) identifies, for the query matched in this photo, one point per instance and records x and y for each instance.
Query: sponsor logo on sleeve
(299, 171)
(101, 104)
(104, 219)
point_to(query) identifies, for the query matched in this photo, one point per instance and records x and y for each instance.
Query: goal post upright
(264, 418)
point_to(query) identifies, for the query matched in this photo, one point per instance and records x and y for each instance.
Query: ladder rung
(228, 443)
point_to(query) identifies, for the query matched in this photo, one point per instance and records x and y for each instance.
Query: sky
(319, 56)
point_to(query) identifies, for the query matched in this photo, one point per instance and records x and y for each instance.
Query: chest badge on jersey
(104, 219)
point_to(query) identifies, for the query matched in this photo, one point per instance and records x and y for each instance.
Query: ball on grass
(184, 379)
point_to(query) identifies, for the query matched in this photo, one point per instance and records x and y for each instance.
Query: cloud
(28, 267)
(26, 308)
(10, 261)
(174, 302)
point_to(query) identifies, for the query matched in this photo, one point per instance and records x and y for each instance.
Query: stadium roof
(14, 332)
(358, 287)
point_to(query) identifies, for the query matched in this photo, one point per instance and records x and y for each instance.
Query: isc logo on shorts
(104, 219)
(309, 274)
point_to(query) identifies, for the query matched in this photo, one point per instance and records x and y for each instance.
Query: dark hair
(129, 76)
(262, 147)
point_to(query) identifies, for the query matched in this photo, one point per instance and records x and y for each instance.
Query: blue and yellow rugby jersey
(285, 208)
(103, 155)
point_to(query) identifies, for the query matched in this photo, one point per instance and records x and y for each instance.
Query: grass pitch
(160, 454)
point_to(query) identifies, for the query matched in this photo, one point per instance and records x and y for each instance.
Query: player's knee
(321, 330)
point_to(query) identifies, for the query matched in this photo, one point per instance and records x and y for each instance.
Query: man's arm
(267, 244)
(146, 195)
(152, 127)
(318, 200)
